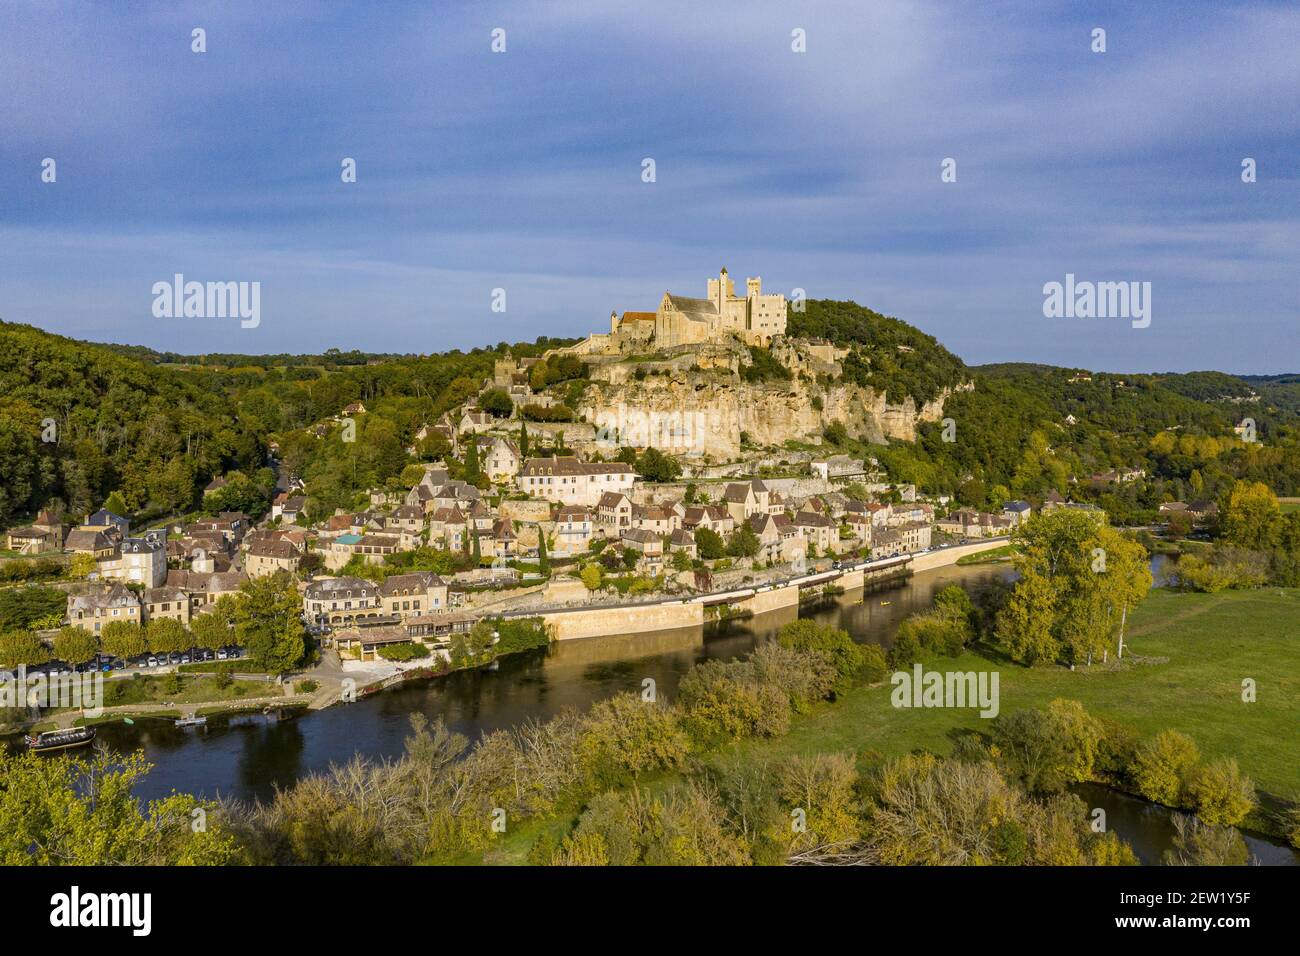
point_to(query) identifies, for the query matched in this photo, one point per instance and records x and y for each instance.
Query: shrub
(726, 701)
(1048, 749)
(1161, 764)
(803, 676)
(404, 651)
(852, 664)
(624, 736)
(1219, 793)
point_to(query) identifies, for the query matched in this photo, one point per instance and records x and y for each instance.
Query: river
(248, 756)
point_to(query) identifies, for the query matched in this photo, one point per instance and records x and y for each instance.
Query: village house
(448, 526)
(375, 547)
(43, 534)
(100, 605)
(505, 543)
(343, 600)
(715, 518)
(915, 535)
(265, 557)
(288, 507)
(105, 520)
(567, 480)
(500, 458)
(137, 561)
(887, 543)
(654, 518)
(409, 518)
(205, 588)
(745, 499)
(614, 513)
(1017, 512)
(476, 422)
(819, 530)
(649, 547)
(574, 527)
(683, 540)
(167, 602)
(413, 595)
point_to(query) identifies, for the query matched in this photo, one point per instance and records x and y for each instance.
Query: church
(680, 320)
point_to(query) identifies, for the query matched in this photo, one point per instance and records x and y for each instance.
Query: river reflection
(249, 756)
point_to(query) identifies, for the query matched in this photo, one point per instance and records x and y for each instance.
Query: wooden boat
(60, 739)
(195, 721)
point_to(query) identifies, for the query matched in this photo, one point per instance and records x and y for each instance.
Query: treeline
(887, 354)
(78, 422)
(1026, 431)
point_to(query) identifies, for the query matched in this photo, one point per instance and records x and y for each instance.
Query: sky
(523, 170)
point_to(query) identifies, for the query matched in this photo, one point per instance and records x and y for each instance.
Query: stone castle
(754, 318)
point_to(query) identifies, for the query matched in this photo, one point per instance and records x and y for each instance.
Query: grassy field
(1186, 658)
(1290, 506)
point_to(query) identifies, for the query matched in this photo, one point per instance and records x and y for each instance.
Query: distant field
(1290, 504)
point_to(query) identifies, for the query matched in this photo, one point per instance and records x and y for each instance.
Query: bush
(727, 701)
(852, 663)
(625, 736)
(1049, 749)
(1219, 793)
(1161, 765)
(404, 651)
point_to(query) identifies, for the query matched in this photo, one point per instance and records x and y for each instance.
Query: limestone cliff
(698, 404)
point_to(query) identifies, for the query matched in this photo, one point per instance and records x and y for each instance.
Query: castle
(754, 318)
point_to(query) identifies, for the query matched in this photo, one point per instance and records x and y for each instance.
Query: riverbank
(1188, 654)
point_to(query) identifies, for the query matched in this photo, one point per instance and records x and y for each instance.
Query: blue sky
(522, 170)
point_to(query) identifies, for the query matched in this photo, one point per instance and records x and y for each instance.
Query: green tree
(654, 465)
(592, 576)
(75, 645)
(709, 544)
(21, 647)
(744, 542)
(124, 639)
(1161, 766)
(268, 623)
(214, 628)
(166, 635)
(79, 811)
(1248, 515)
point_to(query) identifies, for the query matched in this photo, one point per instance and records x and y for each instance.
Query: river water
(248, 756)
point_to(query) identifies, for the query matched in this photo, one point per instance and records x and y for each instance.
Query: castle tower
(754, 287)
(613, 322)
(722, 292)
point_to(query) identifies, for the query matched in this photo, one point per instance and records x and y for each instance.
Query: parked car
(151, 661)
(221, 654)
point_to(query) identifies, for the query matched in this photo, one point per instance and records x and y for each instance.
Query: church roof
(688, 305)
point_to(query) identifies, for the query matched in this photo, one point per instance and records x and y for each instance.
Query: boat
(60, 739)
(886, 603)
(195, 721)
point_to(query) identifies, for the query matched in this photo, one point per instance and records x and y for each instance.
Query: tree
(625, 736)
(654, 465)
(1219, 793)
(543, 562)
(75, 645)
(81, 565)
(592, 576)
(473, 471)
(124, 639)
(83, 811)
(1248, 515)
(166, 635)
(214, 628)
(681, 560)
(21, 647)
(268, 623)
(523, 440)
(496, 402)
(1161, 766)
(744, 542)
(709, 544)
